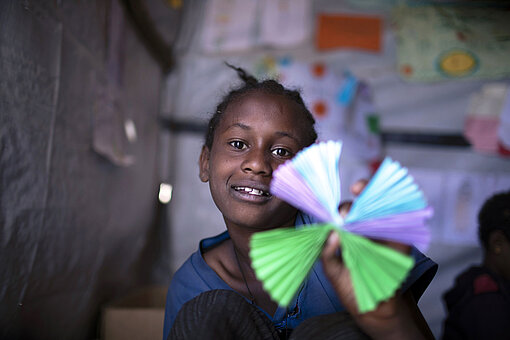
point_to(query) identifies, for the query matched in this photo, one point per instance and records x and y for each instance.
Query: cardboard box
(138, 316)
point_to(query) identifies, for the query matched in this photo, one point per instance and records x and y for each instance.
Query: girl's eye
(280, 152)
(238, 144)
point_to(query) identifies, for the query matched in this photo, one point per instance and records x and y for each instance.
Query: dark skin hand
(396, 318)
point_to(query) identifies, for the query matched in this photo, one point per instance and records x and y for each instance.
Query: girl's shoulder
(209, 243)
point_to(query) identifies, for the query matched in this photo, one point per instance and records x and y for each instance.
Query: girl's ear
(497, 241)
(203, 164)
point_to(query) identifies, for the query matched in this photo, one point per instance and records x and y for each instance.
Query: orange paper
(336, 31)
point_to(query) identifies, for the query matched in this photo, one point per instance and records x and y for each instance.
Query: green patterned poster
(437, 43)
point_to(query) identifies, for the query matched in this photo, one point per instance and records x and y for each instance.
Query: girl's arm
(397, 318)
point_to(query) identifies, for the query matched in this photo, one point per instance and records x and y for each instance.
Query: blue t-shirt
(316, 296)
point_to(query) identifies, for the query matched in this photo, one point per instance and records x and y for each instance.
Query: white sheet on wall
(237, 25)
(456, 197)
(285, 22)
(229, 25)
(465, 193)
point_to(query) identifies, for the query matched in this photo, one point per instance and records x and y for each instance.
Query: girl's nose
(257, 162)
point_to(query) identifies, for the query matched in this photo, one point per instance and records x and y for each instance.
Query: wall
(76, 230)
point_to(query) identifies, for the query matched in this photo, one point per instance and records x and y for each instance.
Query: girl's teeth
(252, 191)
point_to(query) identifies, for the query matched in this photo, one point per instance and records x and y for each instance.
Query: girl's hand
(356, 189)
(396, 318)
(392, 319)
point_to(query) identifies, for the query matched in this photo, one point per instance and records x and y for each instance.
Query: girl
(215, 293)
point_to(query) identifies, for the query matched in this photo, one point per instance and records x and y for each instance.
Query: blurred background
(103, 105)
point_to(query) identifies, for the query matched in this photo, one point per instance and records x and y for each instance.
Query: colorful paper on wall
(504, 126)
(486, 123)
(349, 31)
(437, 43)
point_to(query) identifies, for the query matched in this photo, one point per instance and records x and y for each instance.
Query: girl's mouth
(252, 191)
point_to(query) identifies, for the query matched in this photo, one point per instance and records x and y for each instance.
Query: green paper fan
(283, 257)
(377, 274)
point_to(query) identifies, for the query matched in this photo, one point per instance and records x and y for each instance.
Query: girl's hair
(269, 86)
(494, 215)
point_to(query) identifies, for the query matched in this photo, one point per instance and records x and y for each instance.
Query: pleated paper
(390, 208)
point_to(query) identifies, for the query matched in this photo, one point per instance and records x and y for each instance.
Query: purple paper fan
(408, 228)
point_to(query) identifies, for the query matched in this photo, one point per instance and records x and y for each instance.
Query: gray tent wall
(75, 229)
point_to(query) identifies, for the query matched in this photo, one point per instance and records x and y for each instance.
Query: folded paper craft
(390, 208)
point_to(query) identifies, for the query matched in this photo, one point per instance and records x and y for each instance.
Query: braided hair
(251, 84)
(494, 215)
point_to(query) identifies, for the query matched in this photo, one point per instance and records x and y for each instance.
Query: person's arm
(397, 318)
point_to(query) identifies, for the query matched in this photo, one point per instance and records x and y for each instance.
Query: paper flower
(391, 208)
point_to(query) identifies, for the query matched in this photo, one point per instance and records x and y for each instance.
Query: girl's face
(256, 134)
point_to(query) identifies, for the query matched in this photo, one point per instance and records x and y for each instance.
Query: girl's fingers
(358, 186)
(337, 273)
(344, 208)
(330, 251)
(356, 189)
